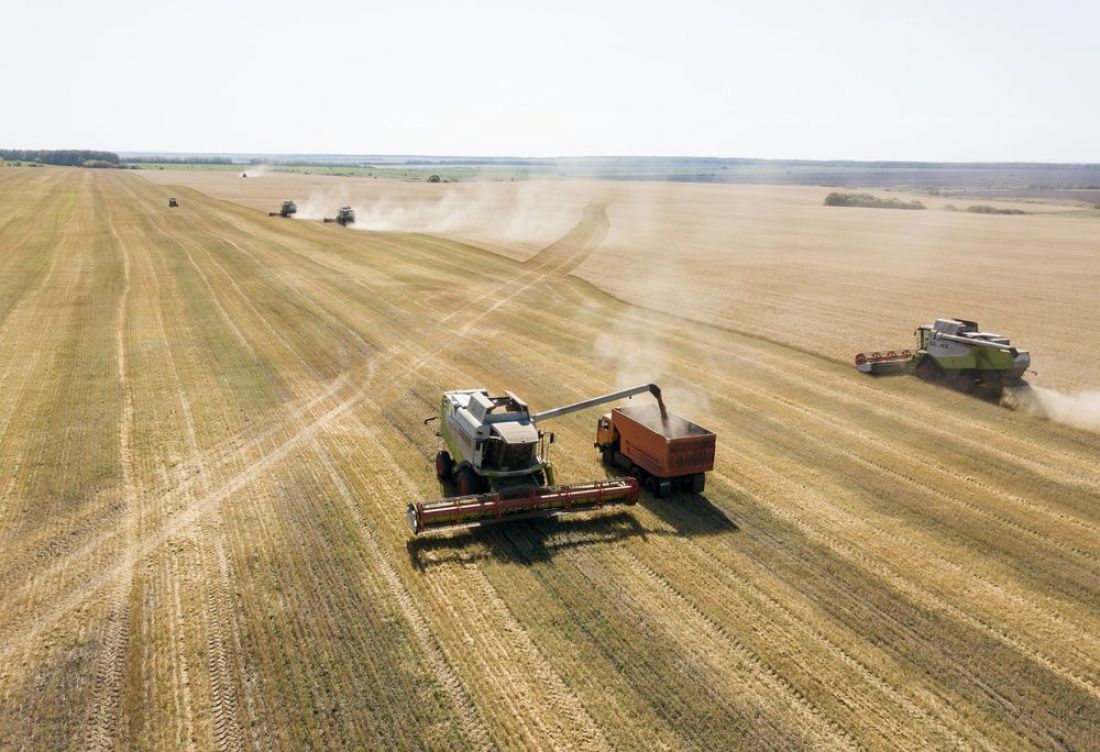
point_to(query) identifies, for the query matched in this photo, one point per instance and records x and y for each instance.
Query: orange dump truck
(663, 451)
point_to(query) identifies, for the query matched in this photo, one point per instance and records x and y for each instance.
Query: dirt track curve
(210, 424)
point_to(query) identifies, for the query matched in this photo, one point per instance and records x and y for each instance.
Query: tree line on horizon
(63, 157)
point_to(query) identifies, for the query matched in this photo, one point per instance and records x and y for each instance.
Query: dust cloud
(630, 345)
(1079, 409)
(324, 203)
(528, 214)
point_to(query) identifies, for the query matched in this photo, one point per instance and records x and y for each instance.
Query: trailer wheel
(698, 482)
(467, 482)
(608, 456)
(444, 465)
(664, 488)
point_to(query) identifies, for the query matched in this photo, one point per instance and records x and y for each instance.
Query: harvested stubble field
(770, 260)
(210, 424)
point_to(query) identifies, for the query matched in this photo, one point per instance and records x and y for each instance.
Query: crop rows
(210, 424)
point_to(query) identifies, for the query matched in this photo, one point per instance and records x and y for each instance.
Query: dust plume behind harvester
(287, 210)
(344, 217)
(957, 353)
(497, 456)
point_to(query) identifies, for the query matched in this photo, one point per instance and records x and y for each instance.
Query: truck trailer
(663, 451)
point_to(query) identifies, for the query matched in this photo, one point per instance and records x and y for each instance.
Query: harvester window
(517, 456)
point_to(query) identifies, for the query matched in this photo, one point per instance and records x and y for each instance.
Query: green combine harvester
(344, 217)
(287, 210)
(955, 352)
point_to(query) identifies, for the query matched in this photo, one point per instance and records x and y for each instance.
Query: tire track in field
(1015, 602)
(685, 618)
(916, 593)
(27, 331)
(1074, 466)
(905, 458)
(724, 570)
(572, 249)
(566, 704)
(469, 718)
(184, 715)
(228, 735)
(928, 642)
(105, 713)
(210, 538)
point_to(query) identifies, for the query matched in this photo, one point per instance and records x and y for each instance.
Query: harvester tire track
(918, 594)
(109, 675)
(771, 678)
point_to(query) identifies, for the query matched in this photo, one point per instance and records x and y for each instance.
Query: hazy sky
(929, 80)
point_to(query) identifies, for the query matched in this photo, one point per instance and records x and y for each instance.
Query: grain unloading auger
(498, 458)
(957, 353)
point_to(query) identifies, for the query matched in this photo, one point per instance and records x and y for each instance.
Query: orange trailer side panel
(665, 447)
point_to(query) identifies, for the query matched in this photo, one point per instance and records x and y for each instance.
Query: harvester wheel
(444, 465)
(926, 369)
(467, 482)
(964, 382)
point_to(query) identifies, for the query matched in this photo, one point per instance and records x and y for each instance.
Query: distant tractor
(287, 210)
(957, 353)
(344, 217)
(172, 203)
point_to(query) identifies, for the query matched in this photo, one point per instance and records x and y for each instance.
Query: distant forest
(66, 157)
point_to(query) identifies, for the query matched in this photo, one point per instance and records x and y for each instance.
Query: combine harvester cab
(498, 458)
(957, 353)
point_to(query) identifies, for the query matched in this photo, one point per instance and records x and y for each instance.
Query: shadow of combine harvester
(524, 542)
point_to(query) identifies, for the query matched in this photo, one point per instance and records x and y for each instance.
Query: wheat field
(210, 425)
